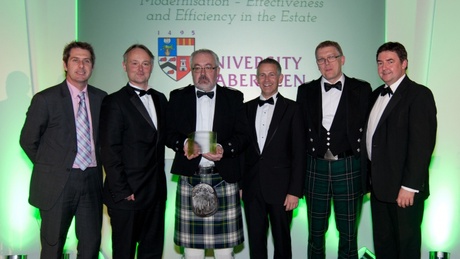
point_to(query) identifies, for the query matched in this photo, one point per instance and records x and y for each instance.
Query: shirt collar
(212, 90)
(396, 84)
(275, 97)
(341, 79)
(74, 91)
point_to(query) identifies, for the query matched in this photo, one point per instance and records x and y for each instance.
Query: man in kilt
(208, 211)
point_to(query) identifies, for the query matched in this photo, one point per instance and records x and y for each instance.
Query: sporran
(204, 200)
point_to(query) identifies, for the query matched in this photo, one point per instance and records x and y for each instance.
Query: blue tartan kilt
(221, 230)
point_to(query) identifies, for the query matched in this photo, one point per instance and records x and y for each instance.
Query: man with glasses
(208, 212)
(334, 109)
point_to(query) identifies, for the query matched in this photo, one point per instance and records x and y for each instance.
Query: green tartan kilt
(224, 229)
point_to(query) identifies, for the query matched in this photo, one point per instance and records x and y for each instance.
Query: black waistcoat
(336, 139)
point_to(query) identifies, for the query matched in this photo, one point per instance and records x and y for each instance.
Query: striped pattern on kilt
(221, 230)
(338, 181)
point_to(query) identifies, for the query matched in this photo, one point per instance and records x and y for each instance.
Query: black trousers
(141, 228)
(258, 215)
(82, 198)
(396, 230)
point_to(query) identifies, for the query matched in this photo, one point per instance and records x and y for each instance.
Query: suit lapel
(315, 103)
(94, 104)
(278, 113)
(189, 103)
(156, 103)
(68, 109)
(352, 102)
(136, 101)
(219, 109)
(252, 112)
(399, 93)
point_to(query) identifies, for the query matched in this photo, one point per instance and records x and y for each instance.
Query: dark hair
(395, 47)
(329, 43)
(138, 46)
(81, 45)
(270, 61)
(204, 51)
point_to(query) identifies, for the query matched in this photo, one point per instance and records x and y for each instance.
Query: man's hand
(196, 150)
(215, 156)
(405, 198)
(291, 202)
(130, 198)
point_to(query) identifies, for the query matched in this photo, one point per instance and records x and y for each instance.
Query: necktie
(208, 94)
(386, 90)
(269, 101)
(143, 92)
(337, 85)
(83, 158)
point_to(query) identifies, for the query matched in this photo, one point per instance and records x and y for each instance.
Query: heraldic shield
(174, 56)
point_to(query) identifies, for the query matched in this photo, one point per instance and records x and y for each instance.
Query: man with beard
(206, 106)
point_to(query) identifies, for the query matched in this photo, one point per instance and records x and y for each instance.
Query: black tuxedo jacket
(280, 168)
(49, 140)
(403, 141)
(230, 124)
(356, 93)
(132, 150)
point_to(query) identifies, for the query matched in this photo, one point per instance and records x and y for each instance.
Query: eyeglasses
(329, 59)
(206, 69)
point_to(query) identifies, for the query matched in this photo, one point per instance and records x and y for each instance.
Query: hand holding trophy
(203, 143)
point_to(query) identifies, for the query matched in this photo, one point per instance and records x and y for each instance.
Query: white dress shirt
(376, 112)
(147, 100)
(205, 107)
(330, 102)
(263, 118)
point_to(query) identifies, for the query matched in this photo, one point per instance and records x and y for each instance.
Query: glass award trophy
(207, 140)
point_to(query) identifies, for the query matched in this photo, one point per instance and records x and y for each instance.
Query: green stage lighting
(439, 255)
(365, 253)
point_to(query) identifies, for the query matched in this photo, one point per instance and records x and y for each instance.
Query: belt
(341, 155)
(206, 170)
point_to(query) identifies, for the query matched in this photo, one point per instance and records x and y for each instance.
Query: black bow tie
(208, 94)
(143, 92)
(269, 101)
(386, 90)
(337, 85)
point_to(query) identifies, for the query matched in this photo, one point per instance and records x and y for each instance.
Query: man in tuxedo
(132, 151)
(206, 106)
(60, 137)
(274, 171)
(334, 108)
(400, 138)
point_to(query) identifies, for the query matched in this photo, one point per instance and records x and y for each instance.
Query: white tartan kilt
(221, 230)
